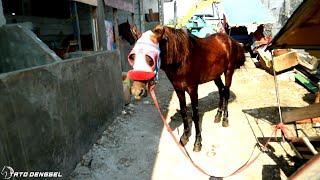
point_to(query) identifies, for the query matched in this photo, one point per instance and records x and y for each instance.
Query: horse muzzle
(139, 89)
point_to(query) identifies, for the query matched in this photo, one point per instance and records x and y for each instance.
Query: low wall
(21, 48)
(51, 115)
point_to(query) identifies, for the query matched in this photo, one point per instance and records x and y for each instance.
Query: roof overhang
(126, 5)
(90, 2)
(302, 30)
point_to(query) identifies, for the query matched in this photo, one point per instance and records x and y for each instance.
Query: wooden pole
(175, 13)
(116, 28)
(160, 10)
(94, 28)
(132, 18)
(77, 25)
(141, 15)
(102, 34)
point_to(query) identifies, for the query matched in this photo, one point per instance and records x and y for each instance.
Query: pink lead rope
(279, 126)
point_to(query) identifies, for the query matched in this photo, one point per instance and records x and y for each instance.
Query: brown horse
(129, 32)
(187, 61)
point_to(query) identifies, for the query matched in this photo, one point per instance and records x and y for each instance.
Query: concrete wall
(21, 49)
(50, 115)
(2, 19)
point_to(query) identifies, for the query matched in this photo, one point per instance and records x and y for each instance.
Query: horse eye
(132, 57)
(149, 60)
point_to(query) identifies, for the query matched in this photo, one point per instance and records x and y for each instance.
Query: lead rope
(279, 126)
(277, 94)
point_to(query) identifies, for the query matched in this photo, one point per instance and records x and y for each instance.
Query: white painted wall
(2, 19)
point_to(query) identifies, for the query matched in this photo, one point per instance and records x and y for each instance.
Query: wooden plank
(311, 111)
(309, 145)
(311, 120)
(310, 170)
(285, 61)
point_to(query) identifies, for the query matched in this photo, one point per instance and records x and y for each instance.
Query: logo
(7, 172)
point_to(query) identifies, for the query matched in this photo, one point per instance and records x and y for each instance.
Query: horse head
(129, 32)
(145, 61)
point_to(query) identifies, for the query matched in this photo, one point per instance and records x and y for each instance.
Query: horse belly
(210, 73)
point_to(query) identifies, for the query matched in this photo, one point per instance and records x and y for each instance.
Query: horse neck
(176, 47)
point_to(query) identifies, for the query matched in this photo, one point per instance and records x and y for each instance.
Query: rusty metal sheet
(127, 5)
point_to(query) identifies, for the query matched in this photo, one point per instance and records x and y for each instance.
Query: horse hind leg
(221, 88)
(187, 124)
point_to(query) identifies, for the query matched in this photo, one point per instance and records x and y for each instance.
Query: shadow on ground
(287, 163)
(206, 104)
(270, 114)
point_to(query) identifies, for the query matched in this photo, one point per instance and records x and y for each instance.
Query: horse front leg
(193, 92)
(220, 86)
(187, 124)
(225, 120)
(226, 93)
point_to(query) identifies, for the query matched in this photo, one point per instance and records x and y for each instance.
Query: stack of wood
(306, 64)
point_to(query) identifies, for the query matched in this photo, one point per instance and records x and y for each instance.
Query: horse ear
(159, 32)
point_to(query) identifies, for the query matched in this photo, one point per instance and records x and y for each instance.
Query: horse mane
(174, 46)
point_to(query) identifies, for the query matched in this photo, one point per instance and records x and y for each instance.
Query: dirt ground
(136, 146)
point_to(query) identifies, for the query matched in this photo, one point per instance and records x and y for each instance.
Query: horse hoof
(184, 140)
(197, 147)
(217, 119)
(225, 123)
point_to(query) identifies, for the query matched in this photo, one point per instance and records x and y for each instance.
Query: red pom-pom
(141, 75)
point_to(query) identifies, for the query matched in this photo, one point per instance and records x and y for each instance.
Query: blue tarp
(246, 12)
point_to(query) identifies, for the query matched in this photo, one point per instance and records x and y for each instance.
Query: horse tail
(240, 58)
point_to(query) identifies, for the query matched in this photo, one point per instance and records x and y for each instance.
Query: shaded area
(270, 172)
(287, 163)
(128, 147)
(270, 114)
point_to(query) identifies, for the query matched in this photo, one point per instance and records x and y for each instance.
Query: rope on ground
(279, 126)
